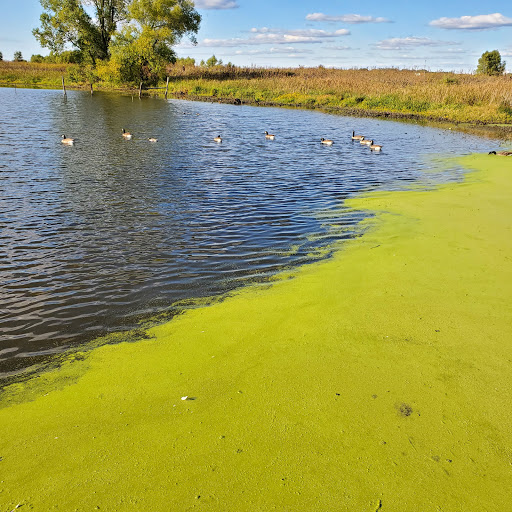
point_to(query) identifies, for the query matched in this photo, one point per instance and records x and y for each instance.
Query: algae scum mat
(378, 379)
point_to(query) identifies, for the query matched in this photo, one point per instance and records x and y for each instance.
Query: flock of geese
(269, 136)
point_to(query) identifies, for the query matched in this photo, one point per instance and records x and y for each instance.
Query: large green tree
(144, 46)
(490, 64)
(140, 48)
(68, 22)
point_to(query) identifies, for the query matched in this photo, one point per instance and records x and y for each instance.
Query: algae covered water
(97, 236)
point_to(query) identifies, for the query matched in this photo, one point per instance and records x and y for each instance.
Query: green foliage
(1, 56)
(143, 48)
(18, 57)
(37, 58)
(66, 22)
(490, 64)
(185, 61)
(213, 61)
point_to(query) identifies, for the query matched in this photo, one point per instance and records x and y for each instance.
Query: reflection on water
(96, 236)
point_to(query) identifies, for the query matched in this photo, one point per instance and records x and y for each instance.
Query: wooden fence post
(166, 87)
(140, 90)
(63, 85)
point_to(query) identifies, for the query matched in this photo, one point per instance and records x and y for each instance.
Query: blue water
(97, 236)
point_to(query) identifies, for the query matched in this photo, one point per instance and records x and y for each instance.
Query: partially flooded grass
(442, 96)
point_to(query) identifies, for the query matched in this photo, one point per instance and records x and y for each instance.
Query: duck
(327, 142)
(126, 135)
(356, 137)
(375, 147)
(367, 142)
(269, 136)
(218, 138)
(501, 153)
(152, 139)
(67, 140)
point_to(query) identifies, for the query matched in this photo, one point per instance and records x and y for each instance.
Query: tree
(66, 22)
(144, 47)
(213, 61)
(18, 57)
(1, 56)
(490, 64)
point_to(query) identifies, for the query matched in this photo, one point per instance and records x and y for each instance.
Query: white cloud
(400, 43)
(266, 35)
(481, 22)
(287, 50)
(309, 32)
(345, 18)
(216, 4)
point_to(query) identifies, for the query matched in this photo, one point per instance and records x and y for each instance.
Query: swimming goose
(126, 135)
(269, 136)
(367, 142)
(356, 137)
(218, 139)
(67, 140)
(327, 142)
(375, 147)
(501, 153)
(152, 139)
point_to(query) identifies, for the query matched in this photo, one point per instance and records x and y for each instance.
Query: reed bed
(459, 98)
(32, 74)
(433, 95)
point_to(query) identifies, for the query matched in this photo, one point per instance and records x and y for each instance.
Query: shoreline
(389, 392)
(501, 132)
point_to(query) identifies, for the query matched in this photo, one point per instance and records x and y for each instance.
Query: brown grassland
(415, 94)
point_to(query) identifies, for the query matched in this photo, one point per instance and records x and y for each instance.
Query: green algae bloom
(378, 379)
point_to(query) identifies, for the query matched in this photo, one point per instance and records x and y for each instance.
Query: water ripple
(97, 236)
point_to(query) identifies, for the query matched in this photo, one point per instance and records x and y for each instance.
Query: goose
(269, 136)
(327, 142)
(501, 153)
(375, 147)
(367, 142)
(126, 135)
(218, 139)
(67, 140)
(152, 139)
(356, 137)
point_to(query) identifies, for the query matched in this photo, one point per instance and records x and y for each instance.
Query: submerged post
(63, 85)
(140, 90)
(166, 87)
(91, 90)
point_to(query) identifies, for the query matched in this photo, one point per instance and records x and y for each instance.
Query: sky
(435, 35)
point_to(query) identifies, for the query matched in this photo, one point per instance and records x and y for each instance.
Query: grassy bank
(457, 98)
(375, 380)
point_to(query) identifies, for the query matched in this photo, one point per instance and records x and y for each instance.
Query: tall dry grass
(450, 96)
(432, 95)
(31, 73)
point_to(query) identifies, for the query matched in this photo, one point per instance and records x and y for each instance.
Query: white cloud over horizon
(216, 4)
(264, 35)
(400, 43)
(480, 22)
(346, 18)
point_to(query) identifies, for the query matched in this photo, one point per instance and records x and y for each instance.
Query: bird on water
(356, 137)
(218, 139)
(269, 136)
(127, 135)
(327, 142)
(67, 140)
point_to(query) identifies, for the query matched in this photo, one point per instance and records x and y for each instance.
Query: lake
(98, 236)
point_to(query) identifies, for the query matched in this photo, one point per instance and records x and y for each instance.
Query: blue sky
(436, 34)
